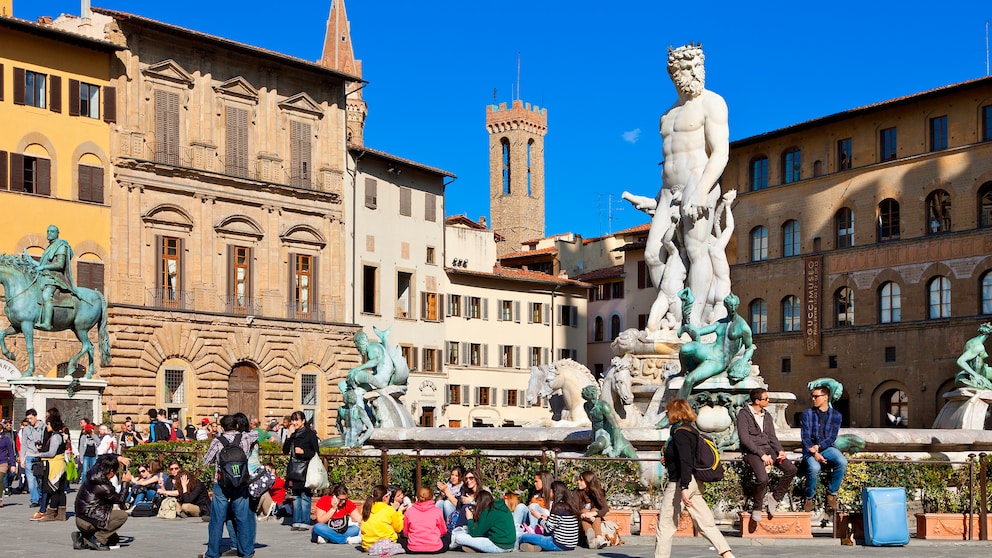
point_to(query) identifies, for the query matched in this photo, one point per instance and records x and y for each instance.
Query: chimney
(482, 220)
(7, 8)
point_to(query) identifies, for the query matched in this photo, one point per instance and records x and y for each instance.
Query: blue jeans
(142, 495)
(324, 530)
(835, 461)
(520, 514)
(447, 508)
(87, 463)
(543, 541)
(482, 544)
(32, 480)
(237, 501)
(301, 508)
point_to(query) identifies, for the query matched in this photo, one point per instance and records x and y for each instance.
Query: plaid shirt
(248, 439)
(810, 428)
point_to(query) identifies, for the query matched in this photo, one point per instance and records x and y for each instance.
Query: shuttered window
(301, 167)
(371, 193)
(167, 127)
(30, 174)
(110, 104)
(430, 207)
(237, 141)
(89, 275)
(406, 196)
(239, 262)
(55, 102)
(84, 99)
(90, 183)
(3, 166)
(1, 82)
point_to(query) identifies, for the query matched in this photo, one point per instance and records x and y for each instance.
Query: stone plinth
(965, 408)
(42, 393)
(622, 519)
(649, 524)
(785, 525)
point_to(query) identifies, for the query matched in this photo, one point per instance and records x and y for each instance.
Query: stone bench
(785, 525)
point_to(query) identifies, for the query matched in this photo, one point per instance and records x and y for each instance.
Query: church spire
(339, 54)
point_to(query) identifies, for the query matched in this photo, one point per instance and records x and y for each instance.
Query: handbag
(39, 468)
(316, 474)
(261, 482)
(71, 472)
(296, 470)
(340, 525)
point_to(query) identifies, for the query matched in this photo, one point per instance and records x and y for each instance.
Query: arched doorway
(242, 390)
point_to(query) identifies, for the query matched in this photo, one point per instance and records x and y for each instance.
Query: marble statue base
(965, 408)
(42, 393)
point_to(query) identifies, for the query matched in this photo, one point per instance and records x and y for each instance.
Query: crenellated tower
(339, 54)
(516, 172)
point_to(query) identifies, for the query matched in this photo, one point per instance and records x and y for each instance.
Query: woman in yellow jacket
(379, 519)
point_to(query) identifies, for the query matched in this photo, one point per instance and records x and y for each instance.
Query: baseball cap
(205, 421)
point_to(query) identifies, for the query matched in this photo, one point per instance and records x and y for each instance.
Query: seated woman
(272, 498)
(338, 518)
(398, 499)
(490, 526)
(424, 531)
(538, 505)
(146, 485)
(561, 524)
(379, 519)
(451, 491)
(466, 502)
(593, 508)
(193, 499)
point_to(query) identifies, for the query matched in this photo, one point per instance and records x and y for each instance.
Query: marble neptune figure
(696, 146)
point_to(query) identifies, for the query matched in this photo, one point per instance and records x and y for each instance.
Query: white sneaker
(354, 540)
(321, 540)
(756, 516)
(601, 542)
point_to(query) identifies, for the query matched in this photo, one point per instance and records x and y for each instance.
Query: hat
(205, 421)
(88, 428)
(273, 422)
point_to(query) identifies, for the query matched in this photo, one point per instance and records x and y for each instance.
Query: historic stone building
(227, 277)
(863, 244)
(516, 172)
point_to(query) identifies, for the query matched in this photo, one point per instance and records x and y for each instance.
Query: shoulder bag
(316, 474)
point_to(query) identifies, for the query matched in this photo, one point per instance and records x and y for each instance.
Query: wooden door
(242, 391)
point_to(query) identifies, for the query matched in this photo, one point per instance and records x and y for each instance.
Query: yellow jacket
(383, 523)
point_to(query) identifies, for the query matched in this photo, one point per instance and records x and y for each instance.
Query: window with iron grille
(308, 389)
(175, 386)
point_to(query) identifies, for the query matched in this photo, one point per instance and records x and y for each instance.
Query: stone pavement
(161, 538)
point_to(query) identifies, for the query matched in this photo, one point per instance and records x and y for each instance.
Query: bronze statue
(607, 438)
(975, 373)
(54, 274)
(730, 352)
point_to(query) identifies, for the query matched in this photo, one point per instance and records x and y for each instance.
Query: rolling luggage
(885, 516)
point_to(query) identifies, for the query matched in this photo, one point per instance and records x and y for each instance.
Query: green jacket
(496, 524)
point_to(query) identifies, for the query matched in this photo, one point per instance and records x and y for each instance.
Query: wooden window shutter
(516, 357)
(546, 313)
(315, 284)
(406, 196)
(465, 356)
(251, 273)
(16, 172)
(438, 359)
(641, 272)
(83, 275)
(3, 162)
(237, 141)
(96, 274)
(545, 354)
(43, 181)
(447, 394)
(516, 311)
(430, 207)
(19, 82)
(530, 312)
(485, 308)
(1, 82)
(499, 310)
(96, 184)
(521, 398)
(291, 285)
(465, 395)
(371, 195)
(181, 247)
(159, 250)
(485, 354)
(55, 85)
(110, 104)
(85, 181)
(231, 277)
(161, 107)
(575, 316)
(73, 97)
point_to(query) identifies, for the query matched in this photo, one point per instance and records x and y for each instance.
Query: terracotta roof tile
(601, 274)
(389, 157)
(513, 274)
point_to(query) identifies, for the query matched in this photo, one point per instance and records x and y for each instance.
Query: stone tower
(340, 55)
(516, 172)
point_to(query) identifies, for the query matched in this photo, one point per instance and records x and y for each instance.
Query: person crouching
(96, 519)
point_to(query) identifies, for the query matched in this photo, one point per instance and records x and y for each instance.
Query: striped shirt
(564, 530)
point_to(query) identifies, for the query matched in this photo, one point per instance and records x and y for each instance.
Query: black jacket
(97, 497)
(305, 439)
(198, 496)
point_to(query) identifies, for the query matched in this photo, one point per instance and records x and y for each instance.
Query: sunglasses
(469, 477)
(142, 470)
(173, 468)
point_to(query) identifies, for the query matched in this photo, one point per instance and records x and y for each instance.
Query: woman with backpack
(682, 490)
(301, 445)
(53, 485)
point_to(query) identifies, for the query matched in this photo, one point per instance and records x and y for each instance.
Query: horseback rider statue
(54, 274)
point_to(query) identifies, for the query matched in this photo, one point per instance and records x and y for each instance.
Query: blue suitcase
(886, 522)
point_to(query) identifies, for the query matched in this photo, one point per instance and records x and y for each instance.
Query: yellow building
(56, 107)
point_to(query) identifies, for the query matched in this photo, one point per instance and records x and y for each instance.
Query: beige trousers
(668, 520)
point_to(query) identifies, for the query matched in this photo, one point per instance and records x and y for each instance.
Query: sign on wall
(813, 291)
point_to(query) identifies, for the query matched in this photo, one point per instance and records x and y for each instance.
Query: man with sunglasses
(761, 449)
(819, 427)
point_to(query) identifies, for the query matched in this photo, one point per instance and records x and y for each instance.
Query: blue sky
(599, 68)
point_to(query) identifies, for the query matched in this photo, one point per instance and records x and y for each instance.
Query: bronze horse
(23, 308)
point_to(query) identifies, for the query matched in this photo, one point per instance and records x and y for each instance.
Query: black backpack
(707, 466)
(232, 463)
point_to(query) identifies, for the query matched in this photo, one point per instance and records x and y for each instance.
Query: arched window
(844, 225)
(759, 173)
(759, 244)
(790, 313)
(615, 326)
(986, 290)
(597, 331)
(888, 220)
(938, 212)
(985, 205)
(889, 303)
(758, 311)
(817, 168)
(895, 405)
(939, 291)
(791, 242)
(791, 165)
(505, 143)
(844, 305)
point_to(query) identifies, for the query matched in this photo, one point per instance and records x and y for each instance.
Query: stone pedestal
(785, 525)
(42, 393)
(622, 519)
(649, 524)
(965, 408)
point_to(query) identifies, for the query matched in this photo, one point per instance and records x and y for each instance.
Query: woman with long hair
(490, 526)
(193, 500)
(301, 445)
(592, 508)
(424, 531)
(53, 485)
(145, 486)
(540, 501)
(451, 491)
(560, 524)
(379, 519)
(682, 490)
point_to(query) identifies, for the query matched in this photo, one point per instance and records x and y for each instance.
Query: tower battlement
(521, 116)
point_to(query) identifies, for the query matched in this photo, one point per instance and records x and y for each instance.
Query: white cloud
(632, 136)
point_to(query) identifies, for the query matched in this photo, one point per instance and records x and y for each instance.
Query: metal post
(544, 458)
(983, 528)
(971, 493)
(417, 474)
(554, 463)
(385, 467)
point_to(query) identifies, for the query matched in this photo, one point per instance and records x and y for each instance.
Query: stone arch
(303, 234)
(91, 148)
(168, 214)
(41, 140)
(91, 247)
(879, 403)
(240, 225)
